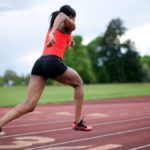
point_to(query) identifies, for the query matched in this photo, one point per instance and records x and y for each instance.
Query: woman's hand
(72, 44)
(51, 40)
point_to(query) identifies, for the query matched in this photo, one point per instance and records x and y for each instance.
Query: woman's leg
(72, 78)
(35, 88)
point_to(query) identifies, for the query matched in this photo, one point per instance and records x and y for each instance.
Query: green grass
(10, 96)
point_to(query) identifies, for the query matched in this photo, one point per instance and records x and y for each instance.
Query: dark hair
(66, 9)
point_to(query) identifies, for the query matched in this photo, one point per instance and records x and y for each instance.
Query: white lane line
(54, 122)
(66, 148)
(62, 129)
(33, 133)
(140, 147)
(90, 138)
(33, 124)
(105, 147)
(44, 123)
(121, 121)
(98, 115)
(64, 113)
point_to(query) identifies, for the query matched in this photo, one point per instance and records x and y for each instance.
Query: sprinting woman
(51, 65)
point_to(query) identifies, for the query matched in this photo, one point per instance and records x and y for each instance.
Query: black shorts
(49, 66)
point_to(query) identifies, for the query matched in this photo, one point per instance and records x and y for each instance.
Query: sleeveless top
(61, 42)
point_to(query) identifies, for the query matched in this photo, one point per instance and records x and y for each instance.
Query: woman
(50, 65)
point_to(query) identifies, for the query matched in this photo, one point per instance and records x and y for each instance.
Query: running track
(119, 124)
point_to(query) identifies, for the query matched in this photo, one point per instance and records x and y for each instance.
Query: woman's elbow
(73, 27)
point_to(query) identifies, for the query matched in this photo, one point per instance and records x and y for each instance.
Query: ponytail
(53, 16)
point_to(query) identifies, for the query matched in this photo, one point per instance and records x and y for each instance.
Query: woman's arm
(61, 18)
(71, 44)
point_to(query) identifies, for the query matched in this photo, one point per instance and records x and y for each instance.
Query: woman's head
(66, 9)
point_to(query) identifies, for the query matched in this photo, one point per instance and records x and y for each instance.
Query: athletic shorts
(49, 66)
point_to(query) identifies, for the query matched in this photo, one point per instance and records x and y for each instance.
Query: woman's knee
(29, 106)
(77, 82)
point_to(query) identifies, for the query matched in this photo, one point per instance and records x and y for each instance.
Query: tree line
(104, 60)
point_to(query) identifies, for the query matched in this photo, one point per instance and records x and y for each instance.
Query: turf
(10, 96)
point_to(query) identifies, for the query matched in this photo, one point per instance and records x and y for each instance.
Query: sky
(24, 23)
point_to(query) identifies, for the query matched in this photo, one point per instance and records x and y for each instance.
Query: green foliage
(109, 62)
(94, 47)
(146, 73)
(145, 61)
(1, 81)
(131, 63)
(10, 77)
(77, 58)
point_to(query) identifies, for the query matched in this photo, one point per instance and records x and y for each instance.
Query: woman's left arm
(71, 44)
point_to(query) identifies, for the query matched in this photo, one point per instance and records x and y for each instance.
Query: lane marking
(65, 148)
(33, 133)
(64, 113)
(90, 138)
(43, 123)
(98, 115)
(33, 124)
(91, 115)
(120, 121)
(106, 147)
(54, 122)
(144, 146)
(22, 142)
(63, 129)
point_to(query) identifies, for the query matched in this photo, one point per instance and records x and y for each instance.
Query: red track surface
(119, 124)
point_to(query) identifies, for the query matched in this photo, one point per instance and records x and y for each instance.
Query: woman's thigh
(70, 77)
(35, 88)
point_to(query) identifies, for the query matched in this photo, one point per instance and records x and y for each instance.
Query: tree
(146, 73)
(77, 58)
(110, 53)
(10, 77)
(145, 61)
(1, 81)
(131, 63)
(94, 52)
(109, 61)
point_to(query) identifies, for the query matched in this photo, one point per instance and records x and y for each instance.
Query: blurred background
(112, 39)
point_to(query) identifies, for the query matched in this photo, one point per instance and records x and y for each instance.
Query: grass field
(10, 96)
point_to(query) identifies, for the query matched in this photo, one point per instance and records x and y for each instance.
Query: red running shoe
(81, 126)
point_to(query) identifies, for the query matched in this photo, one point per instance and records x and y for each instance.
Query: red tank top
(59, 47)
